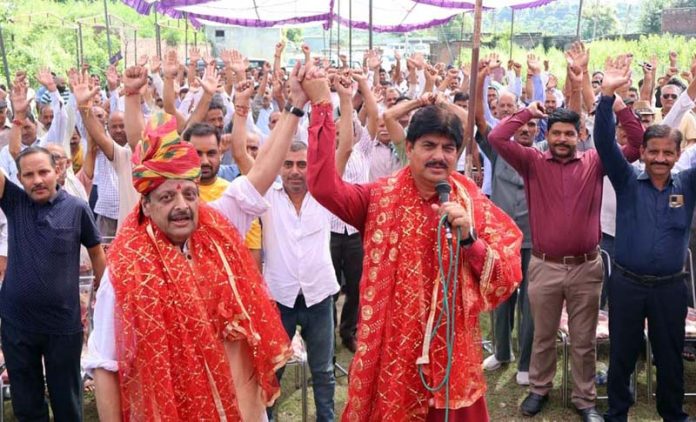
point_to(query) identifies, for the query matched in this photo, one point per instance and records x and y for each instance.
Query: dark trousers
(318, 333)
(664, 306)
(505, 322)
(24, 352)
(347, 257)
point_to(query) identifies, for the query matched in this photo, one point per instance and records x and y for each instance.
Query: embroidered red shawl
(172, 314)
(400, 280)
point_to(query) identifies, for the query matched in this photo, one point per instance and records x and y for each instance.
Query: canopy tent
(387, 15)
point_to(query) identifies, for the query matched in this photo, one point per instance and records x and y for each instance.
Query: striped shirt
(357, 171)
(107, 187)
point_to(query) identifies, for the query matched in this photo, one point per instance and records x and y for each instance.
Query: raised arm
(55, 132)
(575, 77)
(277, 55)
(535, 89)
(273, 152)
(684, 103)
(171, 70)
(20, 105)
(343, 85)
(83, 97)
(518, 156)
(649, 72)
(113, 84)
(135, 83)
(346, 201)
(391, 116)
(209, 84)
(615, 165)
(244, 160)
(369, 103)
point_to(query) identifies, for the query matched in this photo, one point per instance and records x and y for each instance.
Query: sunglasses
(669, 96)
(596, 82)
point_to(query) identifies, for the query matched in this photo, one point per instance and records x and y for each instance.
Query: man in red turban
(184, 326)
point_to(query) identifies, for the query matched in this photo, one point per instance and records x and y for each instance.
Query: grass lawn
(503, 397)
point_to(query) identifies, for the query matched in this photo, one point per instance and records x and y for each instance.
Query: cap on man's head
(162, 155)
(643, 107)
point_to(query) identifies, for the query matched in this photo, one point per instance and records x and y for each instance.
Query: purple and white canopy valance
(387, 15)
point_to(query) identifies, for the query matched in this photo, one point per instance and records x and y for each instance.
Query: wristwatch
(470, 239)
(294, 110)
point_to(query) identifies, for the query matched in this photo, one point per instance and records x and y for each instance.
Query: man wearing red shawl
(184, 326)
(400, 291)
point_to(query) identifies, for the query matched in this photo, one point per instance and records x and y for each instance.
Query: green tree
(598, 21)
(651, 15)
(294, 34)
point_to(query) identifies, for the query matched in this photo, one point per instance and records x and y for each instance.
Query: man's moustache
(436, 164)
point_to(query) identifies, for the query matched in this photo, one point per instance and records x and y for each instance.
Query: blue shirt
(652, 232)
(41, 289)
(229, 172)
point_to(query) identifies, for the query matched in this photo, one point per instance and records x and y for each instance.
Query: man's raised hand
(46, 79)
(243, 92)
(83, 92)
(171, 65)
(210, 80)
(315, 86)
(134, 79)
(617, 73)
(537, 110)
(112, 78)
(533, 64)
(298, 96)
(18, 98)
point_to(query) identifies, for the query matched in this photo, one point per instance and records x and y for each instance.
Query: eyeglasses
(669, 96)
(596, 82)
(58, 157)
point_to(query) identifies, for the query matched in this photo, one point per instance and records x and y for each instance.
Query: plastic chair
(299, 361)
(690, 323)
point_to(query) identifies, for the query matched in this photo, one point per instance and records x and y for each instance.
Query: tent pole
(512, 30)
(370, 26)
(338, 37)
(158, 38)
(4, 60)
(350, 33)
(108, 31)
(469, 133)
(577, 28)
(186, 38)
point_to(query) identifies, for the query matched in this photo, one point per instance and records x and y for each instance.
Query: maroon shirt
(564, 198)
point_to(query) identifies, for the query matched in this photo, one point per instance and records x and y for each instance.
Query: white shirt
(240, 204)
(297, 249)
(683, 105)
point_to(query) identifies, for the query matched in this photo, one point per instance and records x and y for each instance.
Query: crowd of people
(238, 202)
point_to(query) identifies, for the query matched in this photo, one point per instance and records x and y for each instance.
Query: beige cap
(643, 107)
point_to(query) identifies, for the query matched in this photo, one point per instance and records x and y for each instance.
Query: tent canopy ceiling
(387, 15)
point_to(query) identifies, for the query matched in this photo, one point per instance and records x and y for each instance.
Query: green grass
(504, 395)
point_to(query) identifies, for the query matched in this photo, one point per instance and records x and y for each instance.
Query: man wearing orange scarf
(401, 292)
(184, 326)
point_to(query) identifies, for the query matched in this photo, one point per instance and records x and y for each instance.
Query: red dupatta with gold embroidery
(173, 313)
(400, 292)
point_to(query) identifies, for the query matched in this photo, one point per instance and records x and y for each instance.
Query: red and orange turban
(162, 155)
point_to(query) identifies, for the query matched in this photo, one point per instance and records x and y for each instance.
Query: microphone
(443, 190)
